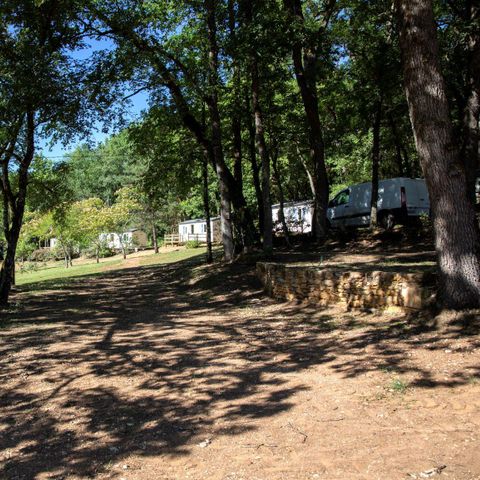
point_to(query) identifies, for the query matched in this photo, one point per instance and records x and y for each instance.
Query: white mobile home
(298, 216)
(197, 230)
(133, 238)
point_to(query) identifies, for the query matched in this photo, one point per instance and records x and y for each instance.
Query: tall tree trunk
(472, 109)
(457, 239)
(311, 182)
(65, 255)
(8, 266)
(237, 151)
(403, 161)
(225, 198)
(265, 163)
(267, 232)
(281, 209)
(236, 118)
(228, 187)
(253, 162)
(375, 164)
(16, 205)
(206, 207)
(304, 62)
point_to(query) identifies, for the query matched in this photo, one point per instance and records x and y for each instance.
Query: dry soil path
(178, 372)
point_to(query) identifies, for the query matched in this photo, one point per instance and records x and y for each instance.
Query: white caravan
(298, 216)
(399, 199)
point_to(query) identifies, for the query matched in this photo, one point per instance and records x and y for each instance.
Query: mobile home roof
(197, 220)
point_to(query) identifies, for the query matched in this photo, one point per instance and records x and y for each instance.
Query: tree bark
(403, 161)
(225, 199)
(305, 60)
(65, 254)
(236, 118)
(8, 266)
(267, 232)
(472, 109)
(253, 162)
(16, 205)
(265, 164)
(457, 239)
(155, 237)
(206, 207)
(281, 210)
(375, 164)
(311, 182)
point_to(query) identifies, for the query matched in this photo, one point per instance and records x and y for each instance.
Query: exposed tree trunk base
(457, 238)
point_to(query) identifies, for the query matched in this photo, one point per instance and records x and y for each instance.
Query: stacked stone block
(354, 289)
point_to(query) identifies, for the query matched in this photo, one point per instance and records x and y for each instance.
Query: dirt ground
(187, 372)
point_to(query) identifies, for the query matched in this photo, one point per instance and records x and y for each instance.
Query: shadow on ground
(150, 360)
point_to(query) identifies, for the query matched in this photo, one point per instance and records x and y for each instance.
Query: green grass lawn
(58, 271)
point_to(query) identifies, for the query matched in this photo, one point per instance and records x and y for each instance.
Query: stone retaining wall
(354, 289)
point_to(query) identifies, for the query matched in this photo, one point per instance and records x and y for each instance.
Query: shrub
(24, 249)
(58, 253)
(192, 244)
(29, 267)
(104, 252)
(42, 255)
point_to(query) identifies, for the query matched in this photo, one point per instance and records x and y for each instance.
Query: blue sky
(138, 103)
